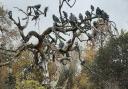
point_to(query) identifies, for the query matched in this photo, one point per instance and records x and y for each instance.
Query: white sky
(117, 9)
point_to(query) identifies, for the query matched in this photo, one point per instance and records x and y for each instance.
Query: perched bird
(61, 45)
(95, 24)
(55, 19)
(104, 15)
(92, 7)
(89, 36)
(81, 17)
(77, 47)
(65, 14)
(62, 20)
(98, 11)
(37, 6)
(45, 11)
(10, 14)
(72, 18)
(88, 14)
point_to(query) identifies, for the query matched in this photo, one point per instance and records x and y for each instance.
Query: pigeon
(95, 24)
(98, 11)
(88, 14)
(55, 19)
(61, 45)
(65, 14)
(81, 17)
(72, 18)
(89, 36)
(77, 47)
(62, 20)
(104, 15)
(10, 14)
(92, 7)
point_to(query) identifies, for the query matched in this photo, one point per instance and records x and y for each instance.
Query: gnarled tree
(94, 25)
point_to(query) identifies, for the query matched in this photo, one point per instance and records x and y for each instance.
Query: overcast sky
(117, 9)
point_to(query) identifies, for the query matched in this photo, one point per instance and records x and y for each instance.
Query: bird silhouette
(72, 17)
(65, 14)
(77, 48)
(95, 24)
(61, 44)
(104, 15)
(92, 7)
(88, 14)
(98, 11)
(10, 14)
(89, 36)
(81, 17)
(62, 20)
(55, 19)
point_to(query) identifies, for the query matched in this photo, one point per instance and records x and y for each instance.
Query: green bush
(29, 84)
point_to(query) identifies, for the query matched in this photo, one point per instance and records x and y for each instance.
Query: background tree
(111, 64)
(8, 35)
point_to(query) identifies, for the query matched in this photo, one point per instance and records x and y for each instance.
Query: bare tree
(95, 25)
